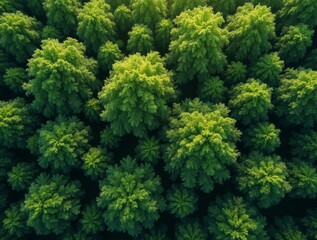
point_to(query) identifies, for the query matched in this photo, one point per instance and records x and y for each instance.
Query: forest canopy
(158, 119)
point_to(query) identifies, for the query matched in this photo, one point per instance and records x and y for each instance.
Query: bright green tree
(179, 6)
(251, 101)
(61, 143)
(235, 73)
(62, 77)
(263, 178)
(16, 122)
(232, 218)
(62, 14)
(51, 204)
(148, 12)
(303, 179)
(131, 197)
(201, 144)
(108, 54)
(268, 69)
(294, 42)
(181, 202)
(14, 78)
(136, 94)
(140, 39)
(250, 32)
(298, 11)
(212, 90)
(22, 175)
(91, 220)
(190, 231)
(19, 35)
(297, 97)
(95, 24)
(285, 228)
(96, 162)
(262, 137)
(197, 43)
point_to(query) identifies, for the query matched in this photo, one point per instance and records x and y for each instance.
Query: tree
(123, 19)
(251, 101)
(181, 202)
(250, 32)
(297, 11)
(226, 7)
(262, 137)
(117, 3)
(190, 231)
(303, 145)
(22, 175)
(285, 228)
(179, 6)
(92, 110)
(131, 197)
(158, 233)
(235, 73)
(136, 94)
(16, 123)
(212, 90)
(268, 69)
(297, 97)
(51, 203)
(108, 54)
(95, 24)
(19, 35)
(91, 220)
(294, 42)
(36, 8)
(14, 78)
(108, 139)
(148, 12)
(232, 218)
(162, 35)
(303, 179)
(310, 222)
(263, 178)
(201, 144)
(62, 143)
(197, 43)
(96, 162)
(62, 77)
(6, 161)
(275, 5)
(62, 14)
(140, 40)
(51, 32)
(148, 150)
(9, 6)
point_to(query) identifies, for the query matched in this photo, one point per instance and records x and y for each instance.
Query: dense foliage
(158, 119)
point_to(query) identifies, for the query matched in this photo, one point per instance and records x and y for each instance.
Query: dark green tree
(62, 143)
(262, 137)
(310, 223)
(16, 123)
(108, 139)
(303, 145)
(251, 101)
(96, 162)
(294, 42)
(19, 35)
(268, 69)
(263, 178)
(201, 144)
(235, 73)
(136, 94)
(9, 6)
(148, 12)
(181, 202)
(232, 218)
(123, 19)
(91, 220)
(190, 231)
(275, 5)
(297, 97)
(285, 228)
(303, 179)
(22, 175)
(226, 7)
(197, 43)
(95, 24)
(131, 197)
(36, 8)
(298, 11)
(6, 163)
(250, 32)
(162, 36)
(148, 150)
(62, 77)
(108, 54)
(92, 110)
(51, 204)
(212, 90)
(140, 39)
(179, 6)
(51, 32)
(14, 78)
(62, 14)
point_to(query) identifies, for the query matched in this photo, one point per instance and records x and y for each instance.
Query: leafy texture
(149, 150)
(108, 54)
(286, 229)
(190, 231)
(179, 6)
(140, 40)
